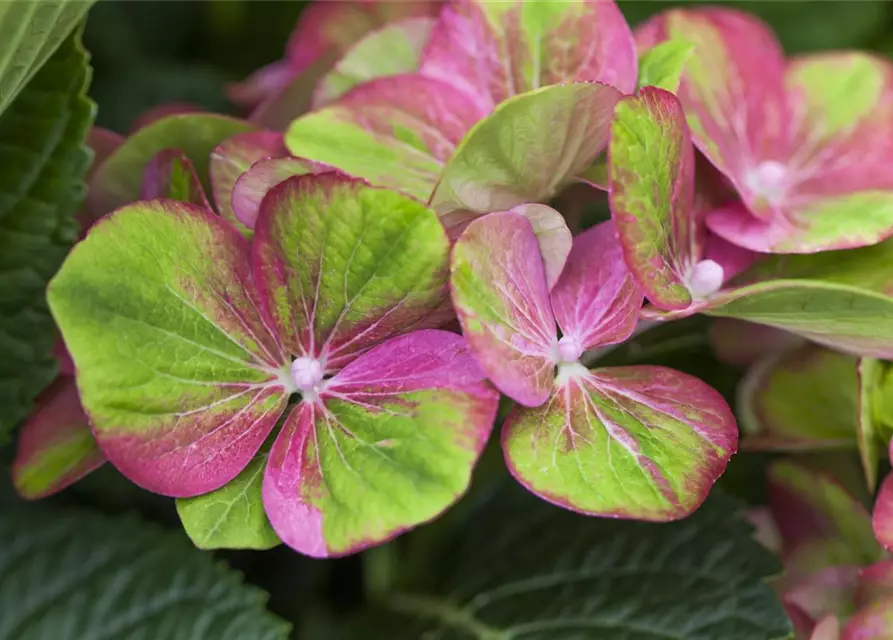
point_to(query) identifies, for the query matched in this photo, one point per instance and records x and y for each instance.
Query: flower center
(705, 279)
(569, 350)
(769, 179)
(307, 373)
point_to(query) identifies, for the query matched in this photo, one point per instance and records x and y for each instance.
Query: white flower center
(569, 350)
(770, 180)
(307, 373)
(568, 371)
(706, 279)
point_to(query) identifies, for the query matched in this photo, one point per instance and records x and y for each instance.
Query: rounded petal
(394, 49)
(342, 266)
(596, 300)
(178, 371)
(233, 157)
(652, 178)
(882, 516)
(55, 447)
(255, 183)
(641, 442)
(499, 290)
(495, 50)
(531, 147)
(390, 444)
(395, 132)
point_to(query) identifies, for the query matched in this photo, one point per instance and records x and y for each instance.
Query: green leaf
(44, 160)
(662, 66)
(838, 316)
(867, 432)
(232, 517)
(821, 523)
(118, 181)
(841, 299)
(883, 405)
(528, 570)
(30, 32)
(77, 574)
(801, 399)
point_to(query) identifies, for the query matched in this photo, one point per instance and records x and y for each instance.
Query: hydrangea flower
(324, 31)
(837, 583)
(195, 346)
(56, 446)
(508, 103)
(659, 216)
(807, 142)
(641, 442)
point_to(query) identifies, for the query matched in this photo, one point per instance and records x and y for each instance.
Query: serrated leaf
(495, 50)
(395, 132)
(117, 181)
(662, 66)
(30, 32)
(77, 574)
(342, 266)
(102, 143)
(233, 516)
(531, 146)
(391, 50)
(553, 575)
(42, 151)
(390, 443)
(186, 416)
(801, 399)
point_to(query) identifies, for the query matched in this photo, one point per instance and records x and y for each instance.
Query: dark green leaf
(29, 34)
(527, 570)
(76, 575)
(42, 165)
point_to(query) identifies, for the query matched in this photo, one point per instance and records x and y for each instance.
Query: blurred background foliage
(147, 53)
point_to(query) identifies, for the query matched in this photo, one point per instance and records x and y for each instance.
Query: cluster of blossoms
(269, 317)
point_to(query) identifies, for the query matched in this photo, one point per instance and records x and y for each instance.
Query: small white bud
(307, 373)
(569, 349)
(706, 279)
